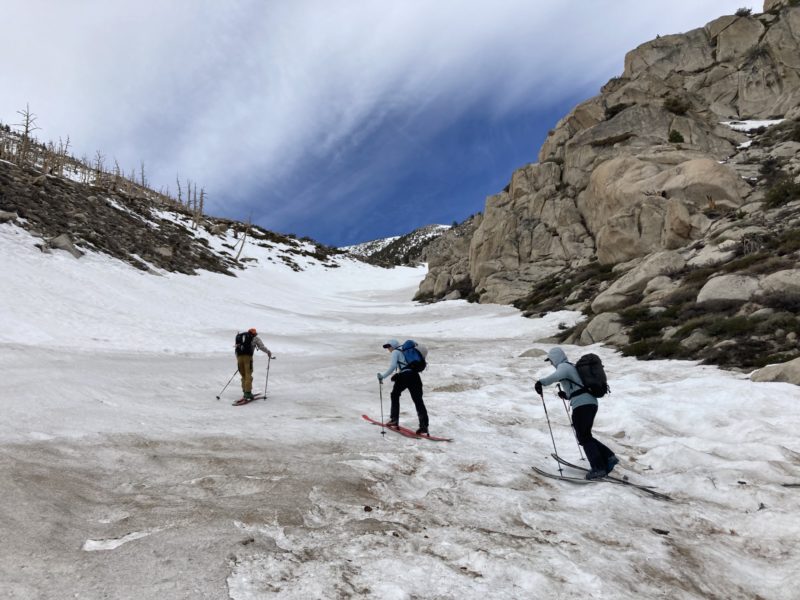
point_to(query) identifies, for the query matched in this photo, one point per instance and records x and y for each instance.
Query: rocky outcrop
(527, 232)
(408, 249)
(788, 372)
(606, 327)
(745, 288)
(636, 169)
(656, 209)
(636, 205)
(771, 5)
(728, 287)
(63, 242)
(628, 288)
(448, 264)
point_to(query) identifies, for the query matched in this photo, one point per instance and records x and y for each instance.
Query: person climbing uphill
(584, 408)
(405, 378)
(245, 346)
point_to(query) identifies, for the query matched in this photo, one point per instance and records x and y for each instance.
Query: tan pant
(245, 363)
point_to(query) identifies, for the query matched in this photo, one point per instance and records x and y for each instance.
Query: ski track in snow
(112, 440)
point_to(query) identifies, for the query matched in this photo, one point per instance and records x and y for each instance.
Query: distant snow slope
(400, 249)
(367, 248)
(124, 477)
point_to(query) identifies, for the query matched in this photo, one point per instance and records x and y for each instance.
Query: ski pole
(569, 418)
(560, 470)
(380, 391)
(266, 381)
(229, 382)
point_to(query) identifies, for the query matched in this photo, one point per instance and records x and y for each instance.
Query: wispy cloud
(243, 96)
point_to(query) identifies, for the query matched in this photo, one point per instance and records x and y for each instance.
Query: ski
(616, 480)
(585, 470)
(405, 431)
(243, 401)
(564, 477)
(583, 480)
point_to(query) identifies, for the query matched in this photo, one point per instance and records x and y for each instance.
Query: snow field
(125, 477)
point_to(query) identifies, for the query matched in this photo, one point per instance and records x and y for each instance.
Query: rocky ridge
(139, 229)
(659, 193)
(408, 249)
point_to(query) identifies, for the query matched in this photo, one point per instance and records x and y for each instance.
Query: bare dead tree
(198, 206)
(188, 194)
(143, 179)
(85, 171)
(63, 153)
(28, 126)
(194, 207)
(180, 193)
(117, 174)
(49, 158)
(244, 239)
(99, 166)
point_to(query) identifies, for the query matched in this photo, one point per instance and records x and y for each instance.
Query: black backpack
(590, 369)
(244, 343)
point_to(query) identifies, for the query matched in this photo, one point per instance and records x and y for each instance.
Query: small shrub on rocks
(675, 137)
(676, 105)
(785, 190)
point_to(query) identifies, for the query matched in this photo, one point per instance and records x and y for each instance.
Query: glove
(380, 377)
(538, 387)
(562, 394)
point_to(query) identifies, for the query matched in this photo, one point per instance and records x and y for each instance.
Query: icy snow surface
(112, 440)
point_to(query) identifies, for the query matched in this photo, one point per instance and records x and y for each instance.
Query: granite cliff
(682, 173)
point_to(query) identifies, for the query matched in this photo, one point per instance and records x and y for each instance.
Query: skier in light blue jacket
(584, 409)
(404, 379)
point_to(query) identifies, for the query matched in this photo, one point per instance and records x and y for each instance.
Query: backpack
(414, 354)
(244, 343)
(590, 369)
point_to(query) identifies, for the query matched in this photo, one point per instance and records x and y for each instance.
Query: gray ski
(565, 478)
(615, 480)
(585, 470)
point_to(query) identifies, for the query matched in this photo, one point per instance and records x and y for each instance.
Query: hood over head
(556, 356)
(391, 344)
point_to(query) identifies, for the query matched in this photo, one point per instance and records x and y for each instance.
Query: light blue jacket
(397, 360)
(567, 375)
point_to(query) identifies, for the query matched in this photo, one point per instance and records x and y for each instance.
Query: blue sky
(341, 120)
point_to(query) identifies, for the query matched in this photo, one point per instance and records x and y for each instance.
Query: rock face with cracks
(610, 184)
(692, 153)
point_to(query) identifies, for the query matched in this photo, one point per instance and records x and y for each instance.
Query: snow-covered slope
(124, 477)
(365, 249)
(408, 249)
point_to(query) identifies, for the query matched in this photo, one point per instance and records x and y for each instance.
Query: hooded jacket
(567, 375)
(397, 360)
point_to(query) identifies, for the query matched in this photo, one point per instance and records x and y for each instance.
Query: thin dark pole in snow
(380, 391)
(229, 382)
(266, 381)
(560, 470)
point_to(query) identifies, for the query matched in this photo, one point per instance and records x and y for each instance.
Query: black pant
(582, 420)
(411, 381)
